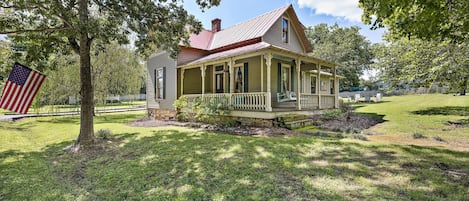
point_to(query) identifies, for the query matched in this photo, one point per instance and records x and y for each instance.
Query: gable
(274, 36)
(247, 30)
(263, 28)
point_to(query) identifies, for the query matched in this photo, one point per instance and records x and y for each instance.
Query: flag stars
(19, 74)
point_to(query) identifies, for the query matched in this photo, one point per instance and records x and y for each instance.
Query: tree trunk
(86, 135)
(464, 88)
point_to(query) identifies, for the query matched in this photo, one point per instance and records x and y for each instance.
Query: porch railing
(327, 101)
(223, 99)
(309, 101)
(249, 101)
(255, 101)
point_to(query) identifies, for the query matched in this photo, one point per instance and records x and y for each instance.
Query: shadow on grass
(99, 119)
(447, 110)
(190, 165)
(21, 127)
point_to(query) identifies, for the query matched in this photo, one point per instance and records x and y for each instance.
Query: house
(261, 67)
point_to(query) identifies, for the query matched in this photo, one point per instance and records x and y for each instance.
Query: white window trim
(289, 77)
(214, 85)
(288, 31)
(332, 83)
(241, 67)
(157, 94)
(315, 83)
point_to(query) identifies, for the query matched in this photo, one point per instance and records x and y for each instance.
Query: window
(159, 83)
(219, 79)
(332, 86)
(285, 79)
(238, 79)
(313, 85)
(285, 30)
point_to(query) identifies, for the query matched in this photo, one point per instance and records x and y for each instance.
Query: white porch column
(318, 84)
(336, 87)
(262, 73)
(202, 74)
(182, 81)
(231, 71)
(268, 62)
(298, 84)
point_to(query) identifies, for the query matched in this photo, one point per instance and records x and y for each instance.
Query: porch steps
(293, 121)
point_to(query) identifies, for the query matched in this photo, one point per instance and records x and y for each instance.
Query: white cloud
(340, 8)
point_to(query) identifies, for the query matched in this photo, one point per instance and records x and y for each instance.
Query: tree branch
(73, 43)
(17, 7)
(35, 30)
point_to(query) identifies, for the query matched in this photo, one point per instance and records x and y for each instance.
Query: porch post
(262, 73)
(298, 85)
(182, 81)
(268, 62)
(202, 74)
(318, 84)
(336, 87)
(231, 73)
(231, 69)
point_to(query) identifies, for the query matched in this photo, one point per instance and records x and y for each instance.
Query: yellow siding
(192, 81)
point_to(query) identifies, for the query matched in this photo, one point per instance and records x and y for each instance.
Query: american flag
(20, 89)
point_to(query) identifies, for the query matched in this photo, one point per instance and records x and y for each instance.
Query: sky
(310, 12)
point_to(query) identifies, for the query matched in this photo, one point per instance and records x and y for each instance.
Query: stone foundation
(246, 121)
(162, 114)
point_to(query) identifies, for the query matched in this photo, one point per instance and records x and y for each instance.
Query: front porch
(258, 101)
(261, 82)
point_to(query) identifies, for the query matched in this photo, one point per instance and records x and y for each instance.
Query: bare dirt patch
(351, 123)
(235, 130)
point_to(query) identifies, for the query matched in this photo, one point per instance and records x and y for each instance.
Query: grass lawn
(426, 115)
(172, 163)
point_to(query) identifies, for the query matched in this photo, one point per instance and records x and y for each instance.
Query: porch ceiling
(229, 53)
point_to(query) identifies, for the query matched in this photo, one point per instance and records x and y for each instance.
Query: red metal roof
(246, 32)
(202, 40)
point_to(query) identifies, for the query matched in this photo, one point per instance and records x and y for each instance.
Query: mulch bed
(236, 130)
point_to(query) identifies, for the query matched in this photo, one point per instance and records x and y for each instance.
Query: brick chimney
(216, 25)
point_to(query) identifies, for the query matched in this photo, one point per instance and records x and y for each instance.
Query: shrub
(202, 110)
(418, 135)
(181, 104)
(104, 134)
(332, 114)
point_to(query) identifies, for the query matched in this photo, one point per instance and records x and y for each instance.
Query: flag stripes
(20, 89)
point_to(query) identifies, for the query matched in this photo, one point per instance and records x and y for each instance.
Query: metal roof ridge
(272, 22)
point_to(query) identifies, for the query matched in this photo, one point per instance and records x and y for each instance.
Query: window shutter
(246, 78)
(164, 82)
(279, 83)
(155, 80)
(292, 76)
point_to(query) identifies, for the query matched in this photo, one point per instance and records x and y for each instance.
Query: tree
(442, 20)
(116, 71)
(344, 46)
(424, 63)
(73, 25)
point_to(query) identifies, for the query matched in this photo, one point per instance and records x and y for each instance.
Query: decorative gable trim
(299, 29)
